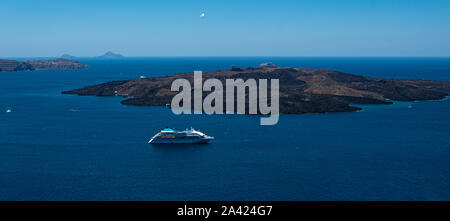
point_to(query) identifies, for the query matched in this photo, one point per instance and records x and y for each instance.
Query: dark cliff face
(301, 90)
(11, 65)
(59, 63)
(30, 65)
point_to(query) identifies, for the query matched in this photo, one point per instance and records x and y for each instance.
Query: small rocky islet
(302, 90)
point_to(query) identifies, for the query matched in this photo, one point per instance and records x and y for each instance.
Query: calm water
(100, 152)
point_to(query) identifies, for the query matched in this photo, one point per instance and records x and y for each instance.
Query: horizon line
(318, 56)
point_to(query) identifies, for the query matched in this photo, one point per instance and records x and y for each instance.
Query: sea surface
(66, 147)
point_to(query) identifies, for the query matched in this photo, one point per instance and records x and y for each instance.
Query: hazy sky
(229, 28)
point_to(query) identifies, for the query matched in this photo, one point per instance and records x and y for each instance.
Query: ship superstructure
(168, 136)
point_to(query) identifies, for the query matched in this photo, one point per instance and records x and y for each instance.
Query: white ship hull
(170, 136)
(179, 141)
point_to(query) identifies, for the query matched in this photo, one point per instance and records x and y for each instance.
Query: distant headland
(107, 55)
(302, 90)
(31, 65)
(68, 56)
(110, 55)
(66, 61)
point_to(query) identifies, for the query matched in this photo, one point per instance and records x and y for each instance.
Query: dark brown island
(302, 90)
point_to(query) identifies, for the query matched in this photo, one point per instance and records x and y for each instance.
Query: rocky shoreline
(302, 90)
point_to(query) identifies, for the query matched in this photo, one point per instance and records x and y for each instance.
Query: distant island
(110, 55)
(302, 90)
(66, 61)
(31, 65)
(107, 55)
(68, 56)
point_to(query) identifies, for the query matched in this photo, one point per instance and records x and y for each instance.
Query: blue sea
(100, 151)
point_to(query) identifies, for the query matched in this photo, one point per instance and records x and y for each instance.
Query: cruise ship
(188, 136)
